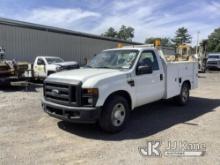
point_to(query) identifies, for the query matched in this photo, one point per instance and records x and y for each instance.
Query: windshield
(54, 60)
(114, 59)
(214, 56)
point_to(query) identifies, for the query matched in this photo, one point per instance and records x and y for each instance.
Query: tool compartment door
(172, 87)
(176, 74)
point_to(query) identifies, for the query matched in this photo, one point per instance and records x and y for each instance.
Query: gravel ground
(29, 136)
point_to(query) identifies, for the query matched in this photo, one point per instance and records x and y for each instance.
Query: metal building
(24, 41)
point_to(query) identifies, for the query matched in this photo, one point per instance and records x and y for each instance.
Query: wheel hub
(118, 114)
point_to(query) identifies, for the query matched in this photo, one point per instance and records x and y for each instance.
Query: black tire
(203, 70)
(183, 98)
(108, 122)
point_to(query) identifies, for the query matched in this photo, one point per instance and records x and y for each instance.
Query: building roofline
(10, 22)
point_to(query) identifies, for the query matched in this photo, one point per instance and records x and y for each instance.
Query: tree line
(182, 36)
(124, 33)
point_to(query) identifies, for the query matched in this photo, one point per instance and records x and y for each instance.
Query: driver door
(149, 86)
(40, 68)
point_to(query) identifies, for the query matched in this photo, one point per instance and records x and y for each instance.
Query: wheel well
(188, 82)
(122, 93)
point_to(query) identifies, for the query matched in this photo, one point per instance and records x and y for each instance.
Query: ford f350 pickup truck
(115, 82)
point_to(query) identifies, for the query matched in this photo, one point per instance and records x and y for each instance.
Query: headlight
(90, 96)
(58, 68)
(90, 100)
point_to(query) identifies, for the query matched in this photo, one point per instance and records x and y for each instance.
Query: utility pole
(197, 42)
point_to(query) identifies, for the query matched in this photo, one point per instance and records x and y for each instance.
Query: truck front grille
(212, 62)
(64, 94)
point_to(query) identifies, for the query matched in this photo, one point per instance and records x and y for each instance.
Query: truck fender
(122, 93)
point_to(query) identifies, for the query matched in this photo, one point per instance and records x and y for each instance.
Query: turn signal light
(91, 91)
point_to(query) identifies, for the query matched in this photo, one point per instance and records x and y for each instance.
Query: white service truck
(115, 82)
(45, 65)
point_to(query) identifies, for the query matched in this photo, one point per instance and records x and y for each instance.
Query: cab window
(148, 58)
(40, 61)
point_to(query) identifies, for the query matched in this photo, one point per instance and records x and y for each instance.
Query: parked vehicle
(213, 61)
(115, 82)
(202, 56)
(45, 65)
(11, 70)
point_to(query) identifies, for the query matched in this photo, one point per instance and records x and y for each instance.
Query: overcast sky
(150, 18)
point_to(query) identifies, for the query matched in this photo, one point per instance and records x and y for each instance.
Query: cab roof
(132, 48)
(48, 57)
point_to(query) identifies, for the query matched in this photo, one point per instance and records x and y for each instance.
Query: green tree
(182, 36)
(150, 40)
(111, 32)
(214, 41)
(124, 33)
(164, 41)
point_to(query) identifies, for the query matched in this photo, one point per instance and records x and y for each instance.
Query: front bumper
(72, 114)
(213, 66)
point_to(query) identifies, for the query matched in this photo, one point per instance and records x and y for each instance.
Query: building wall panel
(24, 44)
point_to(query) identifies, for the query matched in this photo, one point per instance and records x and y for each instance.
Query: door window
(40, 62)
(148, 58)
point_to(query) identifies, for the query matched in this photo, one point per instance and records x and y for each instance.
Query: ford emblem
(55, 92)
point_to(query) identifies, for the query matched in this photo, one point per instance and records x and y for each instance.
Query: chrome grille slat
(57, 101)
(212, 62)
(59, 88)
(63, 96)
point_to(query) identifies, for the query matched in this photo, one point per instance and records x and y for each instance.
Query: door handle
(161, 77)
(131, 83)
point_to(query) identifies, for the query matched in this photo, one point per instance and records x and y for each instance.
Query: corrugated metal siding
(25, 44)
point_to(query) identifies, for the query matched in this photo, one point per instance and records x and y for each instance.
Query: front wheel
(183, 98)
(115, 114)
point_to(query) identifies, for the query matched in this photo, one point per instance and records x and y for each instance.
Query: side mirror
(144, 70)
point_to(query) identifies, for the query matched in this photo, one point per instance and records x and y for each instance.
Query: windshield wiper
(105, 67)
(88, 66)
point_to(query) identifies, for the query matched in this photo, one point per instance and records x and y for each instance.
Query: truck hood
(84, 74)
(64, 65)
(67, 63)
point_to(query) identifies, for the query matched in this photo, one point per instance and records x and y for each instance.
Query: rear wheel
(115, 114)
(183, 98)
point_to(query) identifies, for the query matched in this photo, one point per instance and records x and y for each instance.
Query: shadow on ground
(26, 86)
(213, 70)
(148, 120)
